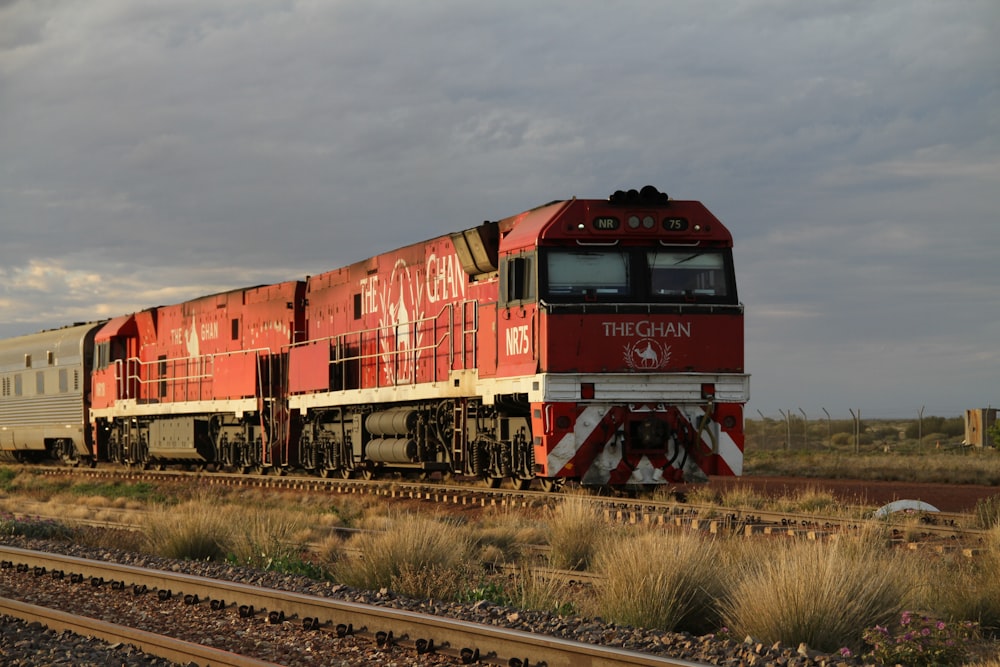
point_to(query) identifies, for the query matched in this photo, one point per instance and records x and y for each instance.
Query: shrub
(703, 495)
(810, 499)
(429, 580)
(350, 510)
(743, 497)
(7, 476)
(192, 531)
(501, 536)
(988, 512)
(920, 642)
(265, 539)
(973, 590)
(414, 555)
(822, 594)
(660, 580)
(576, 530)
(842, 439)
(33, 485)
(942, 427)
(532, 590)
(329, 550)
(144, 491)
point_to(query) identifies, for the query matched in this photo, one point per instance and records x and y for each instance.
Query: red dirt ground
(945, 497)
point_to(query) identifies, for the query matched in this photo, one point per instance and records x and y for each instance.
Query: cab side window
(517, 279)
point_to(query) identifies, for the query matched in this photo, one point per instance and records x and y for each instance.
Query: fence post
(857, 430)
(788, 427)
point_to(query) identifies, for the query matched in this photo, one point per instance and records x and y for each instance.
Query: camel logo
(401, 337)
(647, 354)
(191, 340)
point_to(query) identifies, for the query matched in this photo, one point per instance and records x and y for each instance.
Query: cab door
(517, 316)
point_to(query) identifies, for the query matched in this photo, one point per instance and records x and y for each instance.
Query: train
(592, 341)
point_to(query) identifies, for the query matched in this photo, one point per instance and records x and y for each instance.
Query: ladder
(460, 434)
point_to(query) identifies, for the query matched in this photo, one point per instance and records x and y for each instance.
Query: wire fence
(797, 430)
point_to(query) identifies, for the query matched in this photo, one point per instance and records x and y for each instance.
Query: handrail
(394, 358)
(450, 339)
(133, 372)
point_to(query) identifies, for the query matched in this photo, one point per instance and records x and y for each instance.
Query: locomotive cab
(626, 313)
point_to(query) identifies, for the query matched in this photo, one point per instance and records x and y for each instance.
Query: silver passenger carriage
(45, 395)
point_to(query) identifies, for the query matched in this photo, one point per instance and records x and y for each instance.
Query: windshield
(577, 272)
(624, 275)
(686, 273)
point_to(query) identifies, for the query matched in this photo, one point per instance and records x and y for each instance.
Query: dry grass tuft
(533, 590)
(972, 592)
(262, 538)
(823, 594)
(668, 581)
(811, 499)
(988, 662)
(192, 531)
(703, 495)
(988, 512)
(743, 498)
(576, 531)
(413, 555)
(501, 535)
(329, 551)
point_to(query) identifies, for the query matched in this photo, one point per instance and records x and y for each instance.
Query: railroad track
(162, 646)
(627, 510)
(946, 537)
(940, 529)
(462, 641)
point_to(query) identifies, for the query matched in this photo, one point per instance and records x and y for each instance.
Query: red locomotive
(599, 341)
(198, 382)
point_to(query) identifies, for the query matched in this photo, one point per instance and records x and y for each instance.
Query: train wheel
(65, 452)
(493, 482)
(552, 484)
(521, 484)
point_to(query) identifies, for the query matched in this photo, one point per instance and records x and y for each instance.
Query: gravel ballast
(29, 644)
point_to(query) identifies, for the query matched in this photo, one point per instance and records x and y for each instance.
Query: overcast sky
(151, 152)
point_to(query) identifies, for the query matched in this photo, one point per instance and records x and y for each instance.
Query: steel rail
(629, 510)
(169, 648)
(949, 526)
(493, 643)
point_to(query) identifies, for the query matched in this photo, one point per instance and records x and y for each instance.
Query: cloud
(42, 276)
(45, 293)
(156, 152)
